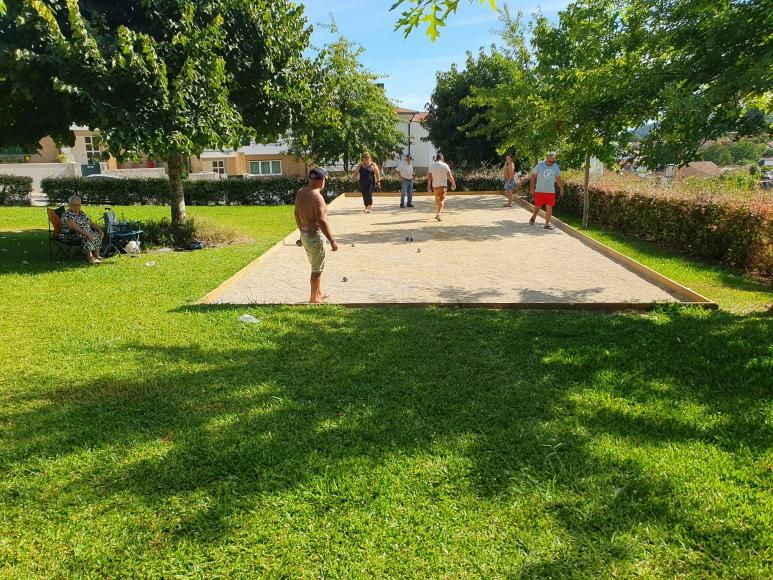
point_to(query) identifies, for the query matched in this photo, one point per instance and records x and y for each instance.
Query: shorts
(510, 184)
(315, 250)
(440, 193)
(541, 199)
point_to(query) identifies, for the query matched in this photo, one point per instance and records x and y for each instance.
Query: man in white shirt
(439, 175)
(405, 171)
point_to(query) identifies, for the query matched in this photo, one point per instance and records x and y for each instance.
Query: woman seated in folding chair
(76, 225)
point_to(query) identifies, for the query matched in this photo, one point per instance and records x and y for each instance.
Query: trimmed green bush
(232, 191)
(735, 232)
(729, 230)
(136, 191)
(15, 189)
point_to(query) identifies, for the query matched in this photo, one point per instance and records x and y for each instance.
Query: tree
(711, 64)
(717, 153)
(704, 67)
(518, 116)
(590, 65)
(31, 106)
(433, 13)
(167, 78)
(455, 129)
(350, 113)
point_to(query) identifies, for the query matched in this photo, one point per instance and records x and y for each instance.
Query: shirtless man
(509, 177)
(311, 218)
(437, 181)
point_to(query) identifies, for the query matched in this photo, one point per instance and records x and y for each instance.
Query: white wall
(39, 171)
(422, 151)
(137, 172)
(205, 176)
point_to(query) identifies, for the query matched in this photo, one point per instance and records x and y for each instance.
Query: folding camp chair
(57, 247)
(117, 236)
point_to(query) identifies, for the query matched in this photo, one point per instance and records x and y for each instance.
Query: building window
(266, 167)
(218, 167)
(93, 154)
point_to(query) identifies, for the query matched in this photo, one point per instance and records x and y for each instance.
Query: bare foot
(321, 300)
(438, 218)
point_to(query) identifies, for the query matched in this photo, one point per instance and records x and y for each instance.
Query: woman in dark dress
(370, 179)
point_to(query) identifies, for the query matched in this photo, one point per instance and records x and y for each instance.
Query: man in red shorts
(542, 186)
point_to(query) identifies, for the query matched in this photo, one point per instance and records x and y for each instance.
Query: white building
(423, 151)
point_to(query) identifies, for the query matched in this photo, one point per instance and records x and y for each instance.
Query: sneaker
(549, 227)
(531, 221)
(410, 205)
(402, 206)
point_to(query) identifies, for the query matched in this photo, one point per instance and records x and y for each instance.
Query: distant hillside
(645, 130)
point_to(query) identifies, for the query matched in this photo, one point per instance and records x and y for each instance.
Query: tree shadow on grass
(503, 230)
(312, 393)
(28, 252)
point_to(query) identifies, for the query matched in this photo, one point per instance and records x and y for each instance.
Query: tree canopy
(350, 114)
(168, 78)
(695, 70)
(458, 130)
(432, 13)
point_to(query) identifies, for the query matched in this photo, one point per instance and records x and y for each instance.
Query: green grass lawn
(141, 435)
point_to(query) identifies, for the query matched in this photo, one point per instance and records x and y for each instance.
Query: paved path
(481, 253)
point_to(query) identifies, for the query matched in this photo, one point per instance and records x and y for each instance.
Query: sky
(409, 65)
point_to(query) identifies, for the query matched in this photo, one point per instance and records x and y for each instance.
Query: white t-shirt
(440, 171)
(405, 170)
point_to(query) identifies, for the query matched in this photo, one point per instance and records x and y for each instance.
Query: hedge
(251, 191)
(15, 189)
(734, 232)
(738, 233)
(143, 191)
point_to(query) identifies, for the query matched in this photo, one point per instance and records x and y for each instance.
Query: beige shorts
(440, 193)
(314, 244)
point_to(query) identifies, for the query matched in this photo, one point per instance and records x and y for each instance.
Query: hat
(317, 173)
(551, 154)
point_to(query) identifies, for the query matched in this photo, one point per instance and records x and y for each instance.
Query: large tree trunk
(586, 193)
(174, 162)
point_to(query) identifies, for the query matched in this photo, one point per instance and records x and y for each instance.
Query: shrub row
(15, 189)
(252, 191)
(142, 191)
(734, 232)
(730, 231)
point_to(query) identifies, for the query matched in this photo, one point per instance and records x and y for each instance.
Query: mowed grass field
(143, 435)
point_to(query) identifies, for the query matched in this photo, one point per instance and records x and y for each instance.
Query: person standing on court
(509, 178)
(311, 218)
(405, 171)
(370, 179)
(542, 186)
(437, 182)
